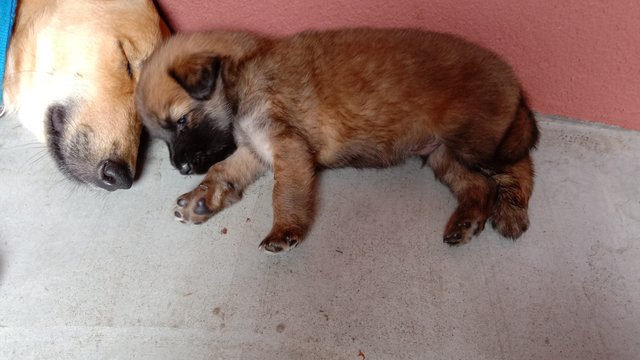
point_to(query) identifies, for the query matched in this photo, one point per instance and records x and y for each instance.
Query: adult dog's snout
(114, 175)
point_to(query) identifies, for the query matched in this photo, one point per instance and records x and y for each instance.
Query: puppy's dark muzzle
(186, 168)
(195, 167)
(198, 163)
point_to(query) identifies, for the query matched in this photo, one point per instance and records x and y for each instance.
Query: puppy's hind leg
(221, 187)
(475, 192)
(515, 184)
(514, 173)
(293, 193)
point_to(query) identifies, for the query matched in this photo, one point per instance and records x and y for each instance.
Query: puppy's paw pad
(462, 226)
(192, 207)
(271, 247)
(177, 215)
(201, 208)
(275, 243)
(462, 232)
(182, 202)
(453, 238)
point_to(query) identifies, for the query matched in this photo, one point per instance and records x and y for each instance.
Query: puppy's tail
(521, 136)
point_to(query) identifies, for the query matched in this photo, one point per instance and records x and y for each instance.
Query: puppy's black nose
(186, 169)
(113, 175)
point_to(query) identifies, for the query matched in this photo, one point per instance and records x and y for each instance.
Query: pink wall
(576, 58)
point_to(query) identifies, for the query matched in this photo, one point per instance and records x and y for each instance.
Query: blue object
(7, 14)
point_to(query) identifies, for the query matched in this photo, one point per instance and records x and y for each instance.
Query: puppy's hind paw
(463, 225)
(280, 241)
(462, 232)
(509, 220)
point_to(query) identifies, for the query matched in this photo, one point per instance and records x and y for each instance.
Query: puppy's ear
(197, 74)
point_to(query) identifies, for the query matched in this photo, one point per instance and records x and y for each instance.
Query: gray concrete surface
(89, 275)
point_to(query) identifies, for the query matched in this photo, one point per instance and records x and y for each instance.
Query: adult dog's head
(71, 73)
(188, 95)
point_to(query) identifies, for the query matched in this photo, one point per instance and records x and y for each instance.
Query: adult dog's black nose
(114, 175)
(186, 168)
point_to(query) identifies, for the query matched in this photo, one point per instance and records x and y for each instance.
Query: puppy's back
(359, 90)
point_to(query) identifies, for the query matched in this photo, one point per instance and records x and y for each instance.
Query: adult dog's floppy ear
(197, 74)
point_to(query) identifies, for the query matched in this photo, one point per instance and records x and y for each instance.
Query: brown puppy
(359, 97)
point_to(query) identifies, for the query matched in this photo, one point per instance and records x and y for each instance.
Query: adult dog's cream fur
(71, 73)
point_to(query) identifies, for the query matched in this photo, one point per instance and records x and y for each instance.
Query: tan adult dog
(360, 97)
(71, 73)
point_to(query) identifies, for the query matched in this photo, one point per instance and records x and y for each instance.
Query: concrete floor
(89, 275)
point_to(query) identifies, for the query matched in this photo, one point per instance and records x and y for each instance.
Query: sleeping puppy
(70, 77)
(356, 97)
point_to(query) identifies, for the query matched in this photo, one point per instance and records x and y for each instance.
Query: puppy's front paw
(192, 207)
(204, 201)
(278, 241)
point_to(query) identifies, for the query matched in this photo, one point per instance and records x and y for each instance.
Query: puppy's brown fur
(359, 97)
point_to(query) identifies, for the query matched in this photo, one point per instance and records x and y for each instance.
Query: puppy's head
(184, 98)
(72, 69)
